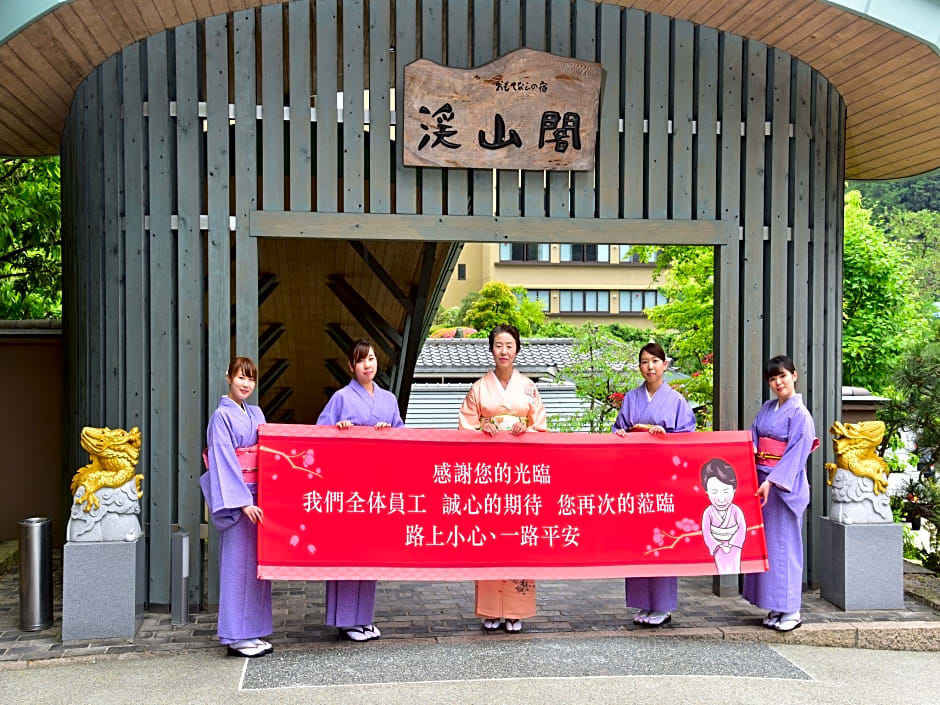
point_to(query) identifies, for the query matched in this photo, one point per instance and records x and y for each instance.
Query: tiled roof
(472, 355)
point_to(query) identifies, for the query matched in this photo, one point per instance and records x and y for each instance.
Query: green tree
(556, 329)
(883, 313)
(498, 303)
(603, 369)
(30, 239)
(916, 194)
(919, 233)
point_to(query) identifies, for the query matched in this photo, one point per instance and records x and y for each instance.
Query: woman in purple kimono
(656, 408)
(723, 526)
(230, 486)
(350, 604)
(784, 436)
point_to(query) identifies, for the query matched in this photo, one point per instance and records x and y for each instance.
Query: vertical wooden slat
(634, 137)
(483, 52)
(406, 51)
(776, 323)
(380, 171)
(191, 340)
(353, 116)
(706, 138)
(802, 133)
(218, 240)
(818, 376)
(272, 108)
(728, 322)
(658, 152)
(833, 314)
(608, 147)
(509, 39)
(299, 85)
(93, 241)
(533, 182)
(246, 188)
(585, 47)
(136, 262)
(683, 46)
(752, 381)
(113, 279)
(327, 168)
(432, 47)
(560, 45)
(162, 323)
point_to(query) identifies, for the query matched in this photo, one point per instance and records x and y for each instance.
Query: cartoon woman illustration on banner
(723, 525)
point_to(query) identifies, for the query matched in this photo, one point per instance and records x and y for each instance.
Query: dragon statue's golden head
(855, 445)
(113, 454)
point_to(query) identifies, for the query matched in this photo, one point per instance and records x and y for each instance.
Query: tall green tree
(918, 232)
(884, 314)
(498, 303)
(30, 239)
(915, 194)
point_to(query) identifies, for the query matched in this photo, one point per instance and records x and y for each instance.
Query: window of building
(541, 295)
(524, 252)
(461, 272)
(626, 254)
(580, 252)
(639, 301)
(578, 301)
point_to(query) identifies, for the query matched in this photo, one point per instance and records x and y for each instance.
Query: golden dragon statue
(855, 447)
(113, 454)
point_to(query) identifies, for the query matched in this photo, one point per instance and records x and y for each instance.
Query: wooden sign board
(525, 110)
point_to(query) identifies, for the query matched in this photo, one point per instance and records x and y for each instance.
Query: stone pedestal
(865, 566)
(103, 589)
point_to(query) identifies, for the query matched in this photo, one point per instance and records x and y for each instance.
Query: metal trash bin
(35, 574)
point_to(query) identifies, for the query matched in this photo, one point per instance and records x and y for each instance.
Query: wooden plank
(559, 44)
(752, 296)
(802, 135)
(190, 297)
(458, 55)
(432, 48)
(380, 78)
(777, 324)
(113, 243)
(299, 86)
(353, 116)
(217, 242)
(683, 45)
(706, 141)
(509, 38)
(272, 107)
(484, 13)
(658, 160)
(634, 136)
(326, 132)
(608, 148)
(406, 51)
(533, 181)
(94, 241)
(585, 47)
(443, 228)
(833, 311)
(162, 328)
(728, 301)
(246, 188)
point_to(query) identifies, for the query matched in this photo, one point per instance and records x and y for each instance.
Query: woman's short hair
(242, 365)
(359, 351)
(777, 365)
(654, 349)
(505, 328)
(720, 469)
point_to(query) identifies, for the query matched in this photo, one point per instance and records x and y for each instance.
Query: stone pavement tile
(906, 636)
(827, 634)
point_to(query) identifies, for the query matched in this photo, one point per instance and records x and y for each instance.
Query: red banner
(401, 504)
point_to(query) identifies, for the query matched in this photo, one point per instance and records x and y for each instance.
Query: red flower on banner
(616, 399)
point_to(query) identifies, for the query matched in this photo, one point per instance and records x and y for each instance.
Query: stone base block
(864, 569)
(103, 589)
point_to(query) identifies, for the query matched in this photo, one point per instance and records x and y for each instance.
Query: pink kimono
(724, 535)
(487, 400)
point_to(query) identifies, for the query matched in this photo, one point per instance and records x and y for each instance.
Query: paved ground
(443, 613)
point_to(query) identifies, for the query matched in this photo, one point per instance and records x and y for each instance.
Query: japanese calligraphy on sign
(525, 110)
(410, 504)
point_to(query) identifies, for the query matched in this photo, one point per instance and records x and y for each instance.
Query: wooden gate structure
(232, 185)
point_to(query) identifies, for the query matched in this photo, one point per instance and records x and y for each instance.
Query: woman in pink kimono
(723, 526)
(784, 436)
(504, 400)
(655, 408)
(350, 604)
(230, 486)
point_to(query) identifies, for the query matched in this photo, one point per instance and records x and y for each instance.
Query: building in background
(574, 282)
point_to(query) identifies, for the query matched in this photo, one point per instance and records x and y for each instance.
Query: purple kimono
(350, 603)
(670, 410)
(244, 601)
(724, 534)
(780, 588)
